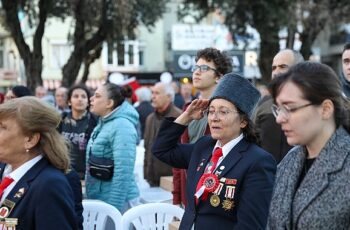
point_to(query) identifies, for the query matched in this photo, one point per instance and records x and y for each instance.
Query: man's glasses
(202, 68)
(285, 111)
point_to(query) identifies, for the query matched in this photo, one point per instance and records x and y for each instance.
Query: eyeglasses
(202, 68)
(285, 111)
(221, 113)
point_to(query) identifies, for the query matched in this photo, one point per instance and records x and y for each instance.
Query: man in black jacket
(272, 138)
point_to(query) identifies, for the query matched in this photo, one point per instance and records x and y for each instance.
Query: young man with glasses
(211, 65)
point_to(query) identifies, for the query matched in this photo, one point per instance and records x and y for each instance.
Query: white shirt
(17, 174)
(227, 147)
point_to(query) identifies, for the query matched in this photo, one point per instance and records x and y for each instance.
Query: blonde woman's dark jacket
(322, 200)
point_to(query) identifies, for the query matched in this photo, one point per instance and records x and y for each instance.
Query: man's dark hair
(223, 63)
(346, 47)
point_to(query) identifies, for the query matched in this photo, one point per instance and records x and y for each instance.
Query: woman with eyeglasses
(312, 189)
(230, 178)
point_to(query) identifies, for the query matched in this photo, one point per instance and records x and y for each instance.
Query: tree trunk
(88, 61)
(85, 76)
(269, 46)
(33, 69)
(32, 60)
(305, 48)
(290, 37)
(71, 68)
(314, 24)
(82, 46)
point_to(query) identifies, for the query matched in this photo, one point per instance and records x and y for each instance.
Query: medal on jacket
(200, 165)
(230, 192)
(215, 199)
(228, 203)
(10, 202)
(6, 208)
(209, 182)
(8, 223)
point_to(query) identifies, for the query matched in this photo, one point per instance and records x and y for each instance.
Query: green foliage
(113, 21)
(55, 8)
(95, 21)
(266, 16)
(240, 13)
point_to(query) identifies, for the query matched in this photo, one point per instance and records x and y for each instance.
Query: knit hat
(21, 91)
(239, 91)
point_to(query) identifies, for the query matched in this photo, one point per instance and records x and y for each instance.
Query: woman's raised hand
(193, 112)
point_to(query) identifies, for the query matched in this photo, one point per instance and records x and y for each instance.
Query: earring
(27, 150)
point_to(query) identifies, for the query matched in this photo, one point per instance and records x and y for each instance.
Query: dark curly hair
(223, 63)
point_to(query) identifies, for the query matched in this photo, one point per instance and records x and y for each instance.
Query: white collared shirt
(17, 174)
(227, 147)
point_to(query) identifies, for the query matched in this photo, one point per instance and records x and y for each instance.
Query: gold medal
(214, 200)
(228, 204)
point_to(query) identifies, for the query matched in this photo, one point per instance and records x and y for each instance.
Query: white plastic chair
(96, 213)
(151, 216)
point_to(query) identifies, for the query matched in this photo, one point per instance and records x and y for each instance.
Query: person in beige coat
(311, 187)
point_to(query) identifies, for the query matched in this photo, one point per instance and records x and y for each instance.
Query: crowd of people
(275, 156)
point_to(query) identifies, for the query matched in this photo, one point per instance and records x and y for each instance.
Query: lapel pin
(19, 193)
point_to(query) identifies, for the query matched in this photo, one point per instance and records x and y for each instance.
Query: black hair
(82, 87)
(116, 93)
(21, 91)
(128, 91)
(346, 47)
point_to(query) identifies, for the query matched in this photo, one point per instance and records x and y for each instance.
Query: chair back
(96, 214)
(151, 216)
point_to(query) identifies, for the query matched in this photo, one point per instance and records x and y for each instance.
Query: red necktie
(4, 184)
(213, 161)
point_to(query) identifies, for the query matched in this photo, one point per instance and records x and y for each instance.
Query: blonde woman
(35, 159)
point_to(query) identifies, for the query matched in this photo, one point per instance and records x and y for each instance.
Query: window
(126, 53)
(59, 55)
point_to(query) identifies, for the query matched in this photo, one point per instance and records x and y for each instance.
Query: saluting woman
(230, 178)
